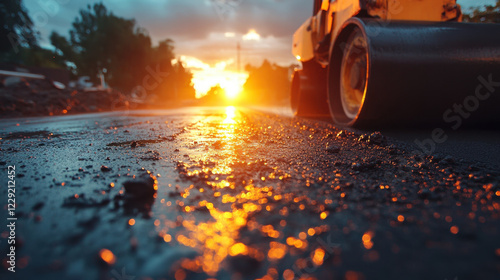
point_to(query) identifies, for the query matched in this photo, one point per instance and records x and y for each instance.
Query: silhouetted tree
(16, 27)
(488, 14)
(268, 84)
(101, 40)
(183, 80)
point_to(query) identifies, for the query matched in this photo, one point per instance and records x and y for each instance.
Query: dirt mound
(42, 98)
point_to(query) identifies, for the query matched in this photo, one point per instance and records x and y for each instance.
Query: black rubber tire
(295, 93)
(308, 91)
(346, 77)
(420, 74)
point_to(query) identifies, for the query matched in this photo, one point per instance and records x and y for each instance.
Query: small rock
(332, 149)
(174, 194)
(139, 188)
(364, 166)
(448, 160)
(38, 206)
(393, 150)
(104, 168)
(133, 144)
(377, 138)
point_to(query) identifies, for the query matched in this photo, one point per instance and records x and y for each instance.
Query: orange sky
(224, 72)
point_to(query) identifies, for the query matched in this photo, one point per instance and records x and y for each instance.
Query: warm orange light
(325, 5)
(277, 250)
(454, 229)
(318, 256)
(206, 76)
(107, 256)
(232, 89)
(230, 115)
(131, 222)
(298, 243)
(401, 218)
(288, 274)
(252, 35)
(238, 249)
(302, 235)
(323, 215)
(167, 238)
(367, 240)
(366, 237)
(180, 274)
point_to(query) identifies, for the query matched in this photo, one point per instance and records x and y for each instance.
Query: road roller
(388, 62)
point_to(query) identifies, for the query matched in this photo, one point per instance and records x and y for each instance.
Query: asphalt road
(475, 144)
(228, 193)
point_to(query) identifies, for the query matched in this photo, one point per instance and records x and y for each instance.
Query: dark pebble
(140, 187)
(332, 149)
(104, 168)
(377, 138)
(38, 206)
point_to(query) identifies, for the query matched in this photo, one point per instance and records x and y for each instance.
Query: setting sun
(206, 76)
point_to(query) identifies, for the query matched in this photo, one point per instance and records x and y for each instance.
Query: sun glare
(230, 115)
(206, 76)
(252, 35)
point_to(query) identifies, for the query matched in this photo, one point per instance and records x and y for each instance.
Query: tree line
(99, 42)
(487, 14)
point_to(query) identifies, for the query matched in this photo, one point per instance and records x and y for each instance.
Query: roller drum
(419, 71)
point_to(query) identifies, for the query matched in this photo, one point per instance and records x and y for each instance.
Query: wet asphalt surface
(229, 193)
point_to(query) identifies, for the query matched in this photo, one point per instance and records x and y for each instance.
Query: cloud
(195, 25)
